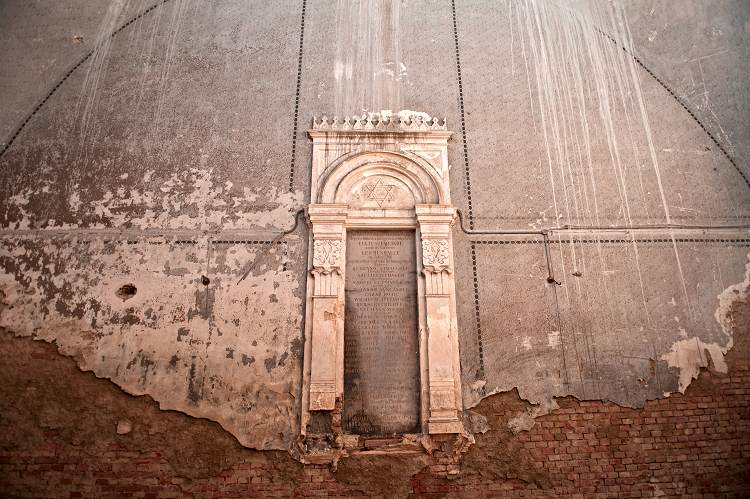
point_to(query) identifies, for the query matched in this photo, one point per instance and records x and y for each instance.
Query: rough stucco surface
(633, 315)
(183, 342)
(181, 213)
(595, 349)
(168, 158)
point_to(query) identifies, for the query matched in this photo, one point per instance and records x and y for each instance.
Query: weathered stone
(381, 351)
(124, 427)
(395, 179)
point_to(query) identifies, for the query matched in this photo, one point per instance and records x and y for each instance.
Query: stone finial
(376, 123)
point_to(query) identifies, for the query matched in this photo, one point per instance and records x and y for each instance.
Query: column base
(454, 426)
(321, 400)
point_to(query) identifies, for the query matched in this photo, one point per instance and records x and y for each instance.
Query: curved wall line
(682, 104)
(14, 135)
(67, 75)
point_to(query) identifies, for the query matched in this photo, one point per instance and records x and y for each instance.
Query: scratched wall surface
(138, 201)
(596, 141)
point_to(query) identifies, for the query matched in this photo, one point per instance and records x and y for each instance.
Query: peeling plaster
(739, 292)
(160, 341)
(169, 335)
(187, 200)
(686, 356)
(691, 354)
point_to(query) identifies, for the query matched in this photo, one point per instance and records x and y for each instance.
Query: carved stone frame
(411, 161)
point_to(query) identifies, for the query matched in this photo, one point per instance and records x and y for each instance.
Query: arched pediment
(381, 217)
(380, 180)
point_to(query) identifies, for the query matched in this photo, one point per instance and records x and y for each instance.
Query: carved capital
(327, 262)
(435, 255)
(327, 255)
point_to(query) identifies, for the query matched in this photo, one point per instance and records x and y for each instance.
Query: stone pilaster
(435, 223)
(329, 246)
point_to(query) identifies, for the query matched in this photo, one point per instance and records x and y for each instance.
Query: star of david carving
(378, 192)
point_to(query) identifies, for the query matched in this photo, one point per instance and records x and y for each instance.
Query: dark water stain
(204, 303)
(145, 362)
(183, 331)
(283, 358)
(179, 271)
(270, 363)
(296, 347)
(130, 318)
(247, 361)
(194, 385)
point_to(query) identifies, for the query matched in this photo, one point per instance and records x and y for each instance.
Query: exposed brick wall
(695, 445)
(60, 441)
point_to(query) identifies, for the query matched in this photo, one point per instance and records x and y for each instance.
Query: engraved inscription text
(381, 352)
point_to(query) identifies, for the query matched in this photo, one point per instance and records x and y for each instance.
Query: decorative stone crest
(375, 123)
(327, 254)
(435, 254)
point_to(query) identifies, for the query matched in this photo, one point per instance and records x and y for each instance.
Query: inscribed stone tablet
(381, 350)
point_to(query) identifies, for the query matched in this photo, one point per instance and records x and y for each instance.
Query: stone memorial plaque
(381, 350)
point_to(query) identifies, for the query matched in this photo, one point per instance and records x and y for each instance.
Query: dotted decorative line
(635, 219)
(738, 241)
(477, 318)
(596, 241)
(296, 97)
(70, 71)
(177, 242)
(681, 103)
(241, 241)
(180, 242)
(469, 205)
(467, 177)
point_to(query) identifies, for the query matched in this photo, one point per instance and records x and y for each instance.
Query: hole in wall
(126, 291)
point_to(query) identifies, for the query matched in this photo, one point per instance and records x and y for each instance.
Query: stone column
(435, 223)
(329, 246)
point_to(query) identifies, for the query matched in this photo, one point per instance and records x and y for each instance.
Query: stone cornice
(370, 123)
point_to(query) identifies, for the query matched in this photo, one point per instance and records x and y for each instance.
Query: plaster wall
(172, 156)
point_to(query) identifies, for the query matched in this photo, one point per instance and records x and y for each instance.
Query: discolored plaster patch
(691, 354)
(189, 199)
(193, 448)
(615, 338)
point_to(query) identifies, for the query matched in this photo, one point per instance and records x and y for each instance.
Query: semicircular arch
(418, 175)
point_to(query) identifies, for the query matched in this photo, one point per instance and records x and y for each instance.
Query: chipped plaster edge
(688, 355)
